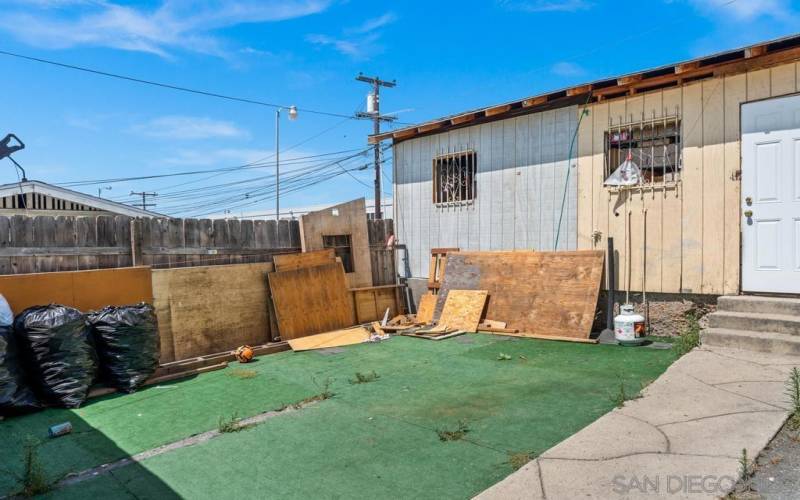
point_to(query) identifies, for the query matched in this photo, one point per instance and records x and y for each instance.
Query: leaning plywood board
(84, 290)
(311, 300)
(210, 309)
(372, 302)
(292, 261)
(427, 304)
(463, 309)
(539, 293)
(337, 338)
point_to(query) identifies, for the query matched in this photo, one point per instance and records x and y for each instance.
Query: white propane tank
(629, 327)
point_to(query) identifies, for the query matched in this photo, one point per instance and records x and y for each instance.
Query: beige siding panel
(634, 109)
(713, 197)
(692, 180)
(735, 94)
(585, 180)
(782, 80)
(758, 84)
(672, 203)
(653, 218)
(617, 209)
(600, 196)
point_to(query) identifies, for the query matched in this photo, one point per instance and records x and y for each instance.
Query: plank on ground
(463, 309)
(338, 338)
(538, 293)
(292, 261)
(311, 300)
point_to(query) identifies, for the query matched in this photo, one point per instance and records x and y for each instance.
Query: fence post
(136, 242)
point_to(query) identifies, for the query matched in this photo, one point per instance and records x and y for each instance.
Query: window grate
(342, 248)
(454, 178)
(653, 144)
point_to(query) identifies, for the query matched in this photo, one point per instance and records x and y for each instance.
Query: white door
(771, 195)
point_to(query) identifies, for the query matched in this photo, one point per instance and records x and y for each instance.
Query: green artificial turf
(374, 439)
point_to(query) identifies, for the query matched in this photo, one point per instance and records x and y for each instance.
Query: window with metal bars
(454, 178)
(342, 247)
(654, 145)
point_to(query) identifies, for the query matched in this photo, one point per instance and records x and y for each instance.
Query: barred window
(342, 248)
(454, 177)
(654, 145)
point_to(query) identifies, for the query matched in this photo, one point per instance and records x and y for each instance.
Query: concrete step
(757, 322)
(776, 343)
(756, 304)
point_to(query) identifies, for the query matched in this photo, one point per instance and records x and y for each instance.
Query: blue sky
(446, 56)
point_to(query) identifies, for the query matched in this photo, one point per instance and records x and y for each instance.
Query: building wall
(350, 219)
(521, 175)
(691, 232)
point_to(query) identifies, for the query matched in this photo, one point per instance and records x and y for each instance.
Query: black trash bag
(128, 345)
(15, 395)
(57, 346)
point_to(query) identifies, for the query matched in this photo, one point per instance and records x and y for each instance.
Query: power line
(168, 86)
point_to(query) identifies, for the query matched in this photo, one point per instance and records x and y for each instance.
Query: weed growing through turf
(454, 435)
(34, 480)
(242, 374)
(325, 394)
(503, 357)
(689, 338)
(232, 424)
(517, 460)
(793, 391)
(365, 378)
(621, 396)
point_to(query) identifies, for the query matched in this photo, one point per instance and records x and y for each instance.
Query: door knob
(748, 213)
(749, 201)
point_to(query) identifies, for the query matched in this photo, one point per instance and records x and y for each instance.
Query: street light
(292, 117)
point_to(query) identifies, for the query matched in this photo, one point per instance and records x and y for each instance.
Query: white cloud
(567, 69)
(545, 5)
(359, 42)
(743, 9)
(174, 24)
(189, 128)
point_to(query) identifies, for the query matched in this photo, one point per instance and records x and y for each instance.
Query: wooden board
(209, 309)
(83, 290)
(336, 338)
(463, 309)
(311, 300)
(427, 305)
(537, 293)
(292, 261)
(371, 302)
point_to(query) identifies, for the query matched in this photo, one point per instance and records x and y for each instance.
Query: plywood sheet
(539, 293)
(83, 290)
(336, 338)
(291, 261)
(463, 309)
(371, 302)
(209, 309)
(427, 305)
(311, 300)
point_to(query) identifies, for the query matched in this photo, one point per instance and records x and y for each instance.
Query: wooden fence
(35, 244)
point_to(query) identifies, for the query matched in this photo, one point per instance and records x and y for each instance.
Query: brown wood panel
(371, 302)
(427, 305)
(292, 261)
(463, 309)
(541, 293)
(311, 300)
(83, 290)
(208, 309)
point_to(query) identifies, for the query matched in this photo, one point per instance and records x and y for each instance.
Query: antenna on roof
(6, 150)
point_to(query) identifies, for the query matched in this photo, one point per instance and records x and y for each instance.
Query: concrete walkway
(682, 439)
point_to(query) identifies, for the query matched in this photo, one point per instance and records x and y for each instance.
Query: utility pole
(144, 195)
(374, 113)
